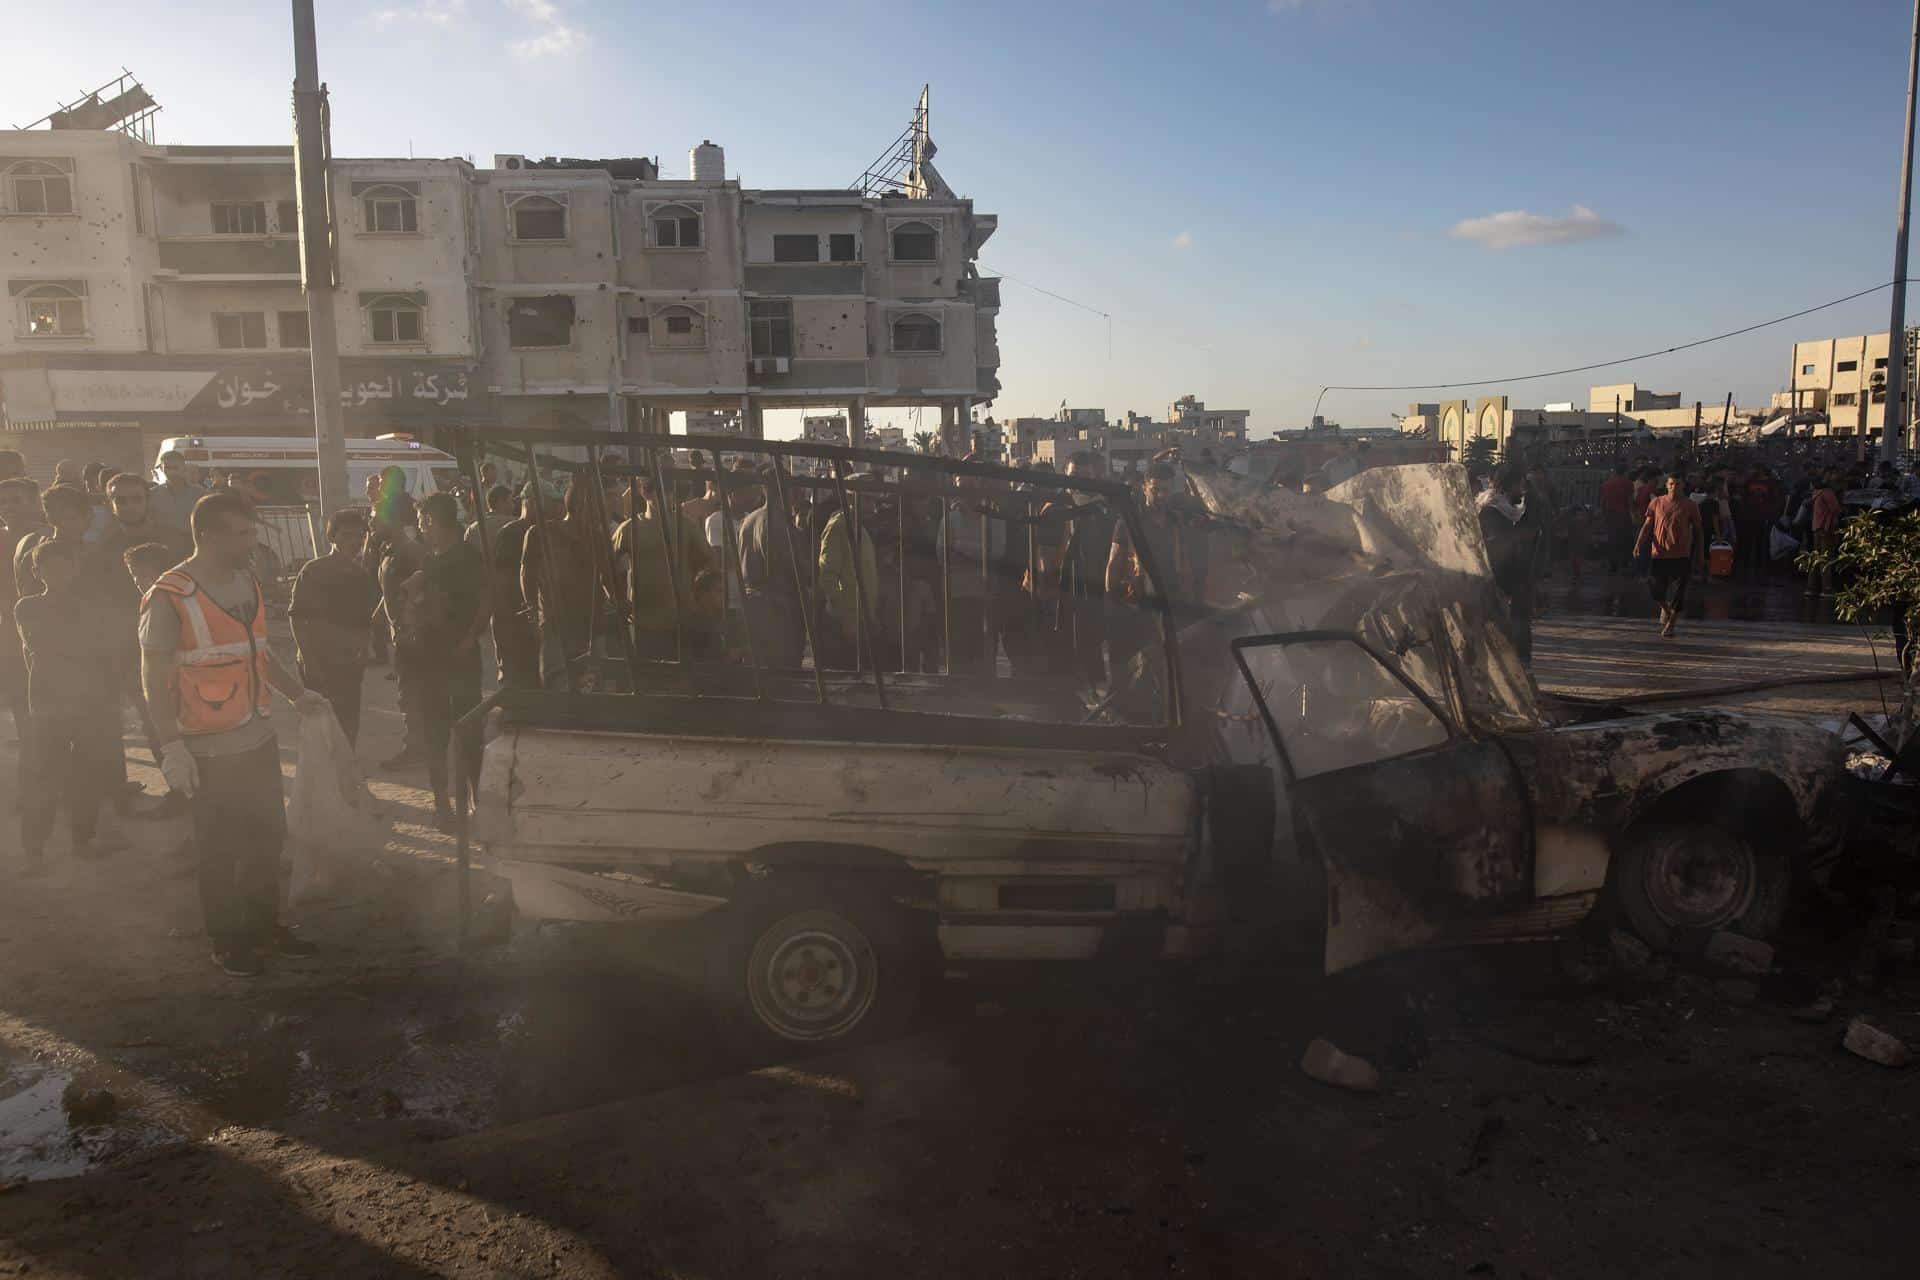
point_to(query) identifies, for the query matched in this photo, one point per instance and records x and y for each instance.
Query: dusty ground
(553, 1107)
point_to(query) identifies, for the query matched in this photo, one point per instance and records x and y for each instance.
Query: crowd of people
(126, 593)
(1672, 524)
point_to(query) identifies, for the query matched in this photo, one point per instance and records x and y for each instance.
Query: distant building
(1845, 379)
(824, 428)
(155, 291)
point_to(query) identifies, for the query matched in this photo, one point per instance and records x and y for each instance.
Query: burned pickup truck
(963, 750)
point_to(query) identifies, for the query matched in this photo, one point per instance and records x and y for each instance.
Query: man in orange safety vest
(205, 669)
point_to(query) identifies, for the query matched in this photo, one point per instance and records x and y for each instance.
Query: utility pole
(312, 150)
(1894, 427)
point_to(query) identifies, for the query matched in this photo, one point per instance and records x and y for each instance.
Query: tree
(1877, 564)
(925, 441)
(1481, 453)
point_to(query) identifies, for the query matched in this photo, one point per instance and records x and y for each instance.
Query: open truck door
(1419, 826)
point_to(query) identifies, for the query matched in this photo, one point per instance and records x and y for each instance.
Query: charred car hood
(1606, 773)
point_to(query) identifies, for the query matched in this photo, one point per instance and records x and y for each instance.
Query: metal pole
(310, 154)
(801, 594)
(1893, 426)
(730, 576)
(860, 633)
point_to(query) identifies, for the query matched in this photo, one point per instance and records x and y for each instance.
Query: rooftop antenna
(121, 103)
(895, 172)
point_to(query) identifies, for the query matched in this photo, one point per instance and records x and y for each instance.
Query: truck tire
(826, 968)
(1675, 879)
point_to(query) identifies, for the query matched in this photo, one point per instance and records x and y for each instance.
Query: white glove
(178, 768)
(310, 703)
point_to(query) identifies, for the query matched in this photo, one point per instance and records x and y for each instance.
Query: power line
(1606, 364)
(1104, 315)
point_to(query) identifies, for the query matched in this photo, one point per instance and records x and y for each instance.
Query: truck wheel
(828, 972)
(1672, 879)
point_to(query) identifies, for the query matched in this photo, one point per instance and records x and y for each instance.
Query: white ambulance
(284, 470)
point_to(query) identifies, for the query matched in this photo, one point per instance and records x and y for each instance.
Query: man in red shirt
(1670, 533)
(1759, 508)
(1616, 514)
(1643, 493)
(1826, 529)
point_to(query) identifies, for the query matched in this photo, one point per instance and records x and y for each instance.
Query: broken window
(678, 328)
(242, 218)
(842, 248)
(636, 324)
(796, 248)
(915, 242)
(916, 333)
(533, 323)
(40, 187)
(389, 210)
(395, 319)
(289, 214)
(1846, 366)
(538, 217)
(240, 330)
(675, 226)
(1806, 371)
(1335, 706)
(770, 322)
(294, 332)
(1880, 363)
(53, 310)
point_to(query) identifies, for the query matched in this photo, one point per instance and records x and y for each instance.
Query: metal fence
(287, 541)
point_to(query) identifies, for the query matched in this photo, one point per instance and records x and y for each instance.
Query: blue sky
(1266, 195)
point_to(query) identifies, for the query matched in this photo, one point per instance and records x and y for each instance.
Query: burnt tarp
(1394, 555)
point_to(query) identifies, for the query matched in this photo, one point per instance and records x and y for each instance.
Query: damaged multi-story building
(155, 291)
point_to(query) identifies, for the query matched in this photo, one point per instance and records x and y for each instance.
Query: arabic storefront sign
(265, 393)
(415, 389)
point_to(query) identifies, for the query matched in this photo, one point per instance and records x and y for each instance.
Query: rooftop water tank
(707, 162)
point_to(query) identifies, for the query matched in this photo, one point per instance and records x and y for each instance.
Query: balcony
(800, 279)
(232, 256)
(983, 292)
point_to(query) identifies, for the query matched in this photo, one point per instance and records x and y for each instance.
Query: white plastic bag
(1781, 544)
(331, 823)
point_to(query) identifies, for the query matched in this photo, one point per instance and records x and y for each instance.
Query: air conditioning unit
(770, 364)
(509, 162)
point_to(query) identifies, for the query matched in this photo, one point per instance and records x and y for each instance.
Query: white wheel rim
(814, 983)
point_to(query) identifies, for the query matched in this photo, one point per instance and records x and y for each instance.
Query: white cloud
(1516, 228)
(556, 34)
(437, 12)
(1184, 240)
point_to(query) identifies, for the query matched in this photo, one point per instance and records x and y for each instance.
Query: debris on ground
(1738, 954)
(1489, 1131)
(1864, 1040)
(1818, 1011)
(1328, 1064)
(88, 1106)
(1630, 955)
(1737, 991)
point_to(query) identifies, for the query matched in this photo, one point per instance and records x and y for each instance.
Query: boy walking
(1669, 534)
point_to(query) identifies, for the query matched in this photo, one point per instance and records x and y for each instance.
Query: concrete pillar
(753, 421)
(950, 442)
(856, 420)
